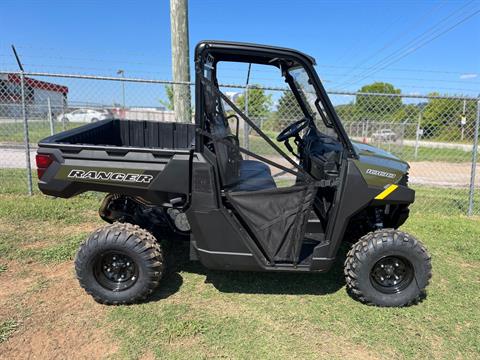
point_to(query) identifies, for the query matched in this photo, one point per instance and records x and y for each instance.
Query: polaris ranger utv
(196, 181)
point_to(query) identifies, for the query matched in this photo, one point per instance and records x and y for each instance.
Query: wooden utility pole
(180, 59)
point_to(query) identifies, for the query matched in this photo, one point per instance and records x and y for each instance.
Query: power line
(235, 67)
(418, 37)
(397, 69)
(430, 88)
(33, 66)
(226, 66)
(358, 43)
(68, 58)
(399, 35)
(401, 49)
(50, 50)
(415, 41)
(329, 76)
(465, 82)
(384, 63)
(420, 45)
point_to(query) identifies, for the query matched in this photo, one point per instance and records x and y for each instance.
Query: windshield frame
(283, 58)
(305, 89)
(323, 105)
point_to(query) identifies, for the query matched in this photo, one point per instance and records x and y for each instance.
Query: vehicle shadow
(250, 282)
(169, 285)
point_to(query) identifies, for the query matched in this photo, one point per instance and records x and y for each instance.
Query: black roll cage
(300, 172)
(267, 55)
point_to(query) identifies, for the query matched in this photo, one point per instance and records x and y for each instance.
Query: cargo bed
(128, 133)
(142, 158)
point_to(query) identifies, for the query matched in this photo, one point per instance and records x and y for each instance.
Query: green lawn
(444, 200)
(407, 153)
(13, 132)
(198, 314)
(38, 130)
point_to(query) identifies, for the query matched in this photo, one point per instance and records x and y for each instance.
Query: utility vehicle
(174, 180)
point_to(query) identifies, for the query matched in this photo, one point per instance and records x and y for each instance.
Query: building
(37, 94)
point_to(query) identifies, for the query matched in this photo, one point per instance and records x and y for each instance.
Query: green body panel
(379, 167)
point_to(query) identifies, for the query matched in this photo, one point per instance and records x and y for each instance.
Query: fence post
(366, 132)
(246, 126)
(50, 117)
(26, 137)
(402, 142)
(417, 134)
(471, 193)
(64, 110)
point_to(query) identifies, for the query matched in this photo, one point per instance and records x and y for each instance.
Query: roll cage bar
(266, 55)
(300, 170)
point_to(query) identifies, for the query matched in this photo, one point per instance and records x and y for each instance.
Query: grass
(39, 227)
(198, 313)
(407, 153)
(443, 200)
(13, 132)
(37, 130)
(246, 315)
(7, 328)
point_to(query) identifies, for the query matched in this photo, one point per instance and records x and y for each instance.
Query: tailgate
(65, 171)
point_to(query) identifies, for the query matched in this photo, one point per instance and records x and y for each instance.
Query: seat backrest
(228, 155)
(226, 151)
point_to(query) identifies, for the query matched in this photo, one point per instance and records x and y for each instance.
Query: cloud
(468, 76)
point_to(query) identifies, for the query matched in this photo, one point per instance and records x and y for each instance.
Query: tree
(442, 117)
(258, 103)
(347, 112)
(288, 108)
(441, 111)
(377, 105)
(407, 113)
(288, 111)
(169, 103)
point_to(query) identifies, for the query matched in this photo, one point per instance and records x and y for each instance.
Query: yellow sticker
(386, 192)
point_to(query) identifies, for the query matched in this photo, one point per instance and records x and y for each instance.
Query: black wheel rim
(115, 270)
(391, 274)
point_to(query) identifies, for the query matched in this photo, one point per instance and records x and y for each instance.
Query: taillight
(43, 162)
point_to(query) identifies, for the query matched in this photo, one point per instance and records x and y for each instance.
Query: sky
(419, 46)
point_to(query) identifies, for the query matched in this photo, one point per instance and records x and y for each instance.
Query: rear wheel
(119, 263)
(388, 268)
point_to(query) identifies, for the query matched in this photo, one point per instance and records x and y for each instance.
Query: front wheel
(119, 263)
(388, 268)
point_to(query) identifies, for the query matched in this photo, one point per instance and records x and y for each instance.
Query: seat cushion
(254, 175)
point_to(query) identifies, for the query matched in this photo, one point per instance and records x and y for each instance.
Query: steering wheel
(292, 130)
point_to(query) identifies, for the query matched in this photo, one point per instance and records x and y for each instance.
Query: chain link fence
(437, 135)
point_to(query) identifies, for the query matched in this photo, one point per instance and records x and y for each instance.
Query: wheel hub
(115, 271)
(391, 274)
